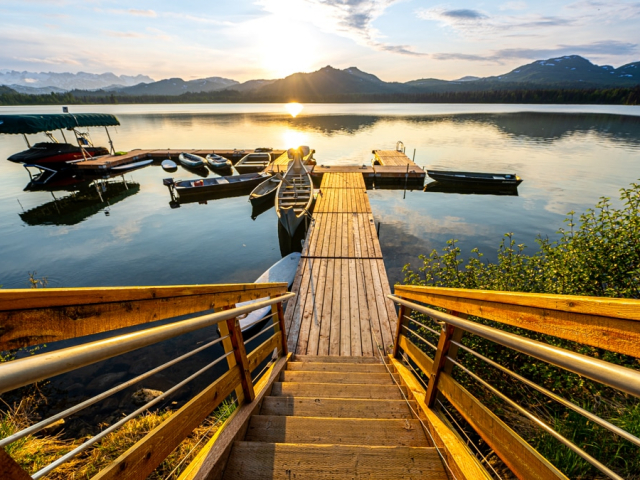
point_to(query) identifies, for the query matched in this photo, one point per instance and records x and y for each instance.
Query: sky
(397, 40)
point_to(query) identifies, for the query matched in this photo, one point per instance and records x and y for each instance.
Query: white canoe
(283, 270)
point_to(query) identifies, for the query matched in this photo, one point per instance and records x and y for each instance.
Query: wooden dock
(109, 161)
(341, 284)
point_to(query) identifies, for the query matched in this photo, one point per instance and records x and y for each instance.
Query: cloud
(348, 18)
(607, 47)
(463, 14)
(131, 11)
(142, 13)
(112, 33)
(473, 22)
(51, 60)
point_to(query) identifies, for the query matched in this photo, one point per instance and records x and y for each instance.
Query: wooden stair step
(329, 390)
(342, 431)
(335, 359)
(336, 407)
(338, 377)
(338, 367)
(266, 461)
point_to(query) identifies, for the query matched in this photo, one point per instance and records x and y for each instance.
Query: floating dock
(107, 162)
(341, 286)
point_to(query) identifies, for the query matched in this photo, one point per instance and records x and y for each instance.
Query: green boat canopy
(29, 124)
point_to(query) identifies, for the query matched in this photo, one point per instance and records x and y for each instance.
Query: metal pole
(26, 140)
(113, 150)
(63, 137)
(621, 378)
(25, 371)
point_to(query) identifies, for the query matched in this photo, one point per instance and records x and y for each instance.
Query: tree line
(598, 96)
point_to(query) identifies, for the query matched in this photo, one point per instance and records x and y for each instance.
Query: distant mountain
(250, 86)
(36, 90)
(177, 86)
(571, 70)
(329, 80)
(69, 81)
(4, 89)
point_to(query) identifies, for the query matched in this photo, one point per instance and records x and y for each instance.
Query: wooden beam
(523, 460)
(421, 359)
(614, 334)
(444, 342)
(143, 458)
(9, 469)
(264, 350)
(231, 359)
(211, 460)
(240, 354)
(280, 318)
(463, 464)
(625, 308)
(35, 316)
(402, 313)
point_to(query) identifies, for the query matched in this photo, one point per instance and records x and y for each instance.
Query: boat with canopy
(54, 156)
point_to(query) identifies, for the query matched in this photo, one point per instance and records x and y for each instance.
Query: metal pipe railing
(25, 371)
(585, 413)
(87, 403)
(621, 378)
(80, 448)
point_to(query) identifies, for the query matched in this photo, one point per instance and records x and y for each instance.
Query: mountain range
(572, 71)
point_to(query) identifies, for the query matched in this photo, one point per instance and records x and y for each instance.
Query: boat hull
(55, 156)
(218, 184)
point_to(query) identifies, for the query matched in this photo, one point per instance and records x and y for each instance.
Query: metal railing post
(439, 362)
(240, 353)
(279, 315)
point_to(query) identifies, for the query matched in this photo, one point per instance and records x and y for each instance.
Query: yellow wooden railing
(607, 323)
(33, 317)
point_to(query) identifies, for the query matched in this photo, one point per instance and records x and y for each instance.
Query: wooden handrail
(609, 323)
(36, 316)
(142, 458)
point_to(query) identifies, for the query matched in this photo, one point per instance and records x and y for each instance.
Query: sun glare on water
(294, 108)
(294, 138)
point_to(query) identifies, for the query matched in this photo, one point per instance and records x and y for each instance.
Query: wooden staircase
(334, 418)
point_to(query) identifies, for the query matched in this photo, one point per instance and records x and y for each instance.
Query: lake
(568, 156)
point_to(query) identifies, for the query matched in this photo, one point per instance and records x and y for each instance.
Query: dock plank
(341, 308)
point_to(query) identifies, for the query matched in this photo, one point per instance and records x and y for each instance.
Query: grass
(36, 451)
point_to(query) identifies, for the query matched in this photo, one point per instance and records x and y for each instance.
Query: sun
(288, 50)
(294, 108)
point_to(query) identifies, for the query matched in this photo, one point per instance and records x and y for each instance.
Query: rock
(145, 395)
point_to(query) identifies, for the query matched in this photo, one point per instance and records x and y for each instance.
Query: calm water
(567, 156)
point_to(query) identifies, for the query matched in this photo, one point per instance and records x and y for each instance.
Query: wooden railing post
(240, 354)
(402, 313)
(228, 346)
(279, 317)
(440, 362)
(9, 469)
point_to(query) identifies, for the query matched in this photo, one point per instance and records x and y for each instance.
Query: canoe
(295, 193)
(446, 176)
(190, 160)
(216, 161)
(253, 162)
(132, 166)
(169, 165)
(284, 270)
(217, 184)
(265, 192)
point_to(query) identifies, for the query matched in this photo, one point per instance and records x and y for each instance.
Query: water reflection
(79, 206)
(466, 189)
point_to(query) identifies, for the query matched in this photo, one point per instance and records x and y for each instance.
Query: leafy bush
(600, 256)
